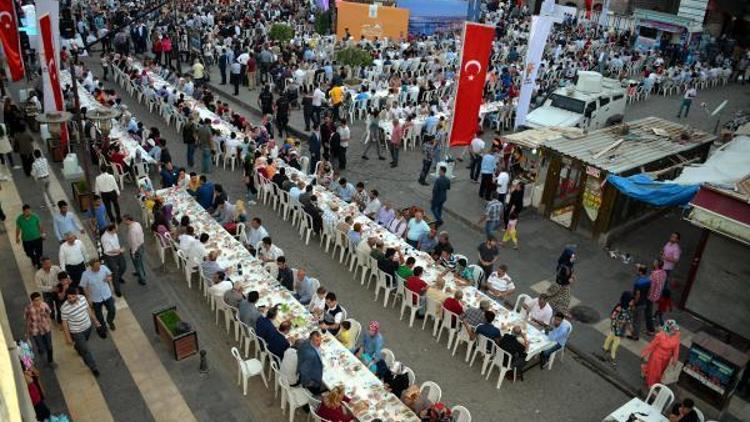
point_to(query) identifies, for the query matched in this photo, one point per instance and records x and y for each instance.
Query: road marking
(83, 396)
(159, 392)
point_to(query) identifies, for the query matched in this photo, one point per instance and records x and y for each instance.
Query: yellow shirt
(337, 95)
(198, 71)
(345, 337)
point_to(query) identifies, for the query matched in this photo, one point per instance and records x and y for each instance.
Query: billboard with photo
(429, 16)
(371, 21)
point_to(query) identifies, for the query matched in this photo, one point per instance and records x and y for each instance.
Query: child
(318, 302)
(345, 335)
(664, 306)
(511, 232)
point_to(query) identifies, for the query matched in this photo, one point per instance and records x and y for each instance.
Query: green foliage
(323, 22)
(170, 320)
(281, 32)
(354, 56)
(81, 186)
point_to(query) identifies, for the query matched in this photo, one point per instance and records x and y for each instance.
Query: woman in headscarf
(559, 292)
(371, 345)
(664, 350)
(621, 322)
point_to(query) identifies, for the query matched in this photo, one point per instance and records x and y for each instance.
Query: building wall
(626, 7)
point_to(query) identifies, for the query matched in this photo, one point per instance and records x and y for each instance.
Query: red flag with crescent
(54, 89)
(475, 56)
(10, 39)
(589, 5)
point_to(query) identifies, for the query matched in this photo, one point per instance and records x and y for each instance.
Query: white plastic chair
(411, 297)
(228, 311)
(384, 283)
(461, 414)
(485, 347)
(239, 233)
(119, 174)
(504, 363)
(700, 415)
(400, 286)
(388, 357)
(432, 309)
(660, 397)
(520, 301)
(410, 374)
(431, 390)
(447, 324)
(463, 337)
(295, 397)
(246, 369)
(560, 351)
(189, 267)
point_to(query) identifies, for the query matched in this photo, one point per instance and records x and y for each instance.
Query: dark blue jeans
(437, 211)
(191, 155)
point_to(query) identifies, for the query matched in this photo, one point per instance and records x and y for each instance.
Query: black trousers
(75, 272)
(110, 200)
(34, 250)
(426, 164)
(50, 298)
(110, 305)
(476, 163)
(26, 161)
(486, 187)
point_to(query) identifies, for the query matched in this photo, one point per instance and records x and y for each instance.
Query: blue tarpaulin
(652, 192)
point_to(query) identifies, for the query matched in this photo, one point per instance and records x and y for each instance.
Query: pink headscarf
(374, 326)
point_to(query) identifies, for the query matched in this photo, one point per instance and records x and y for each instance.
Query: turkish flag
(475, 56)
(10, 39)
(589, 5)
(53, 89)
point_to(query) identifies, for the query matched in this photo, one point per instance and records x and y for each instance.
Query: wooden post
(694, 265)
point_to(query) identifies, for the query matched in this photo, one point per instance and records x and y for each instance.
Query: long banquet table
(505, 318)
(340, 366)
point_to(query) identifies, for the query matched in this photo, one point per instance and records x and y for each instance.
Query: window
(567, 103)
(603, 101)
(618, 97)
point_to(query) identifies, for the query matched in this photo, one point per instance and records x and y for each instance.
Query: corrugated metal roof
(533, 138)
(640, 147)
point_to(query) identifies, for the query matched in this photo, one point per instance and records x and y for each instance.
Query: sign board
(694, 10)
(371, 21)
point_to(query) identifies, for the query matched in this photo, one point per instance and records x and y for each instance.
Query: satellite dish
(719, 108)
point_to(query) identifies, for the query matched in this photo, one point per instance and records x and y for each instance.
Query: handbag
(672, 373)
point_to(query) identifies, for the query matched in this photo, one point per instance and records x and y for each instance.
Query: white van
(594, 102)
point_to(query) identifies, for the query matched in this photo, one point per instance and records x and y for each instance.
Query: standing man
(38, 317)
(235, 74)
(502, 181)
(317, 102)
(77, 319)
(206, 144)
(475, 152)
(40, 173)
(188, 137)
(687, 100)
(97, 282)
(396, 134)
(492, 217)
(113, 257)
(29, 230)
(440, 195)
(487, 171)
(488, 255)
(670, 254)
(282, 116)
(314, 147)
(265, 100)
(307, 109)
(223, 66)
(25, 144)
(643, 306)
(428, 155)
(46, 281)
(346, 135)
(337, 99)
(106, 186)
(72, 257)
(373, 136)
(135, 241)
(65, 222)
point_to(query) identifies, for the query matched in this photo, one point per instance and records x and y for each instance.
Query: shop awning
(655, 193)
(722, 211)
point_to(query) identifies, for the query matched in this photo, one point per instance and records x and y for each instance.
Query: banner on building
(427, 17)
(51, 8)
(475, 56)
(10, 40)
(53, 98)
(540, 28)
(371, 21)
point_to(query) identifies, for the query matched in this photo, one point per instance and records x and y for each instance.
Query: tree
(323, 22)
(281, 32)
(354, 56)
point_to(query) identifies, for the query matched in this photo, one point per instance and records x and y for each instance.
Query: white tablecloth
(340, 366)
(418, 122)
(643, 411)
(118, 134)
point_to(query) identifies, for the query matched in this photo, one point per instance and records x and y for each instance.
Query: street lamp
(54, 121)
(102, 119)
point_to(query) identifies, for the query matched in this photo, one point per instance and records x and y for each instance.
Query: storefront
(653, 29)
(525, 152)
(575, 193)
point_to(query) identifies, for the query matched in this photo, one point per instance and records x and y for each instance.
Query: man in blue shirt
(488, 329)
(168, 175)
(98, 215)
(96, 282)
(309, 364)
(643, 306)
(275, 339)
(65, 222)
(487, 172)
(205, 193)
(345, 190)
(559, 334)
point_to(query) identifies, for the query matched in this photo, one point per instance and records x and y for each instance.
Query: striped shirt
(39, 168)
(76, 314)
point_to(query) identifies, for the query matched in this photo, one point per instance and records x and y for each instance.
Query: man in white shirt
(255, 234)
(267, 251)
(540, 312)
(106, 186)
(40, 173)
(317, 101)
(687, 100)
(221, 285)
(135, 242)
(475, 152)
(185, 241)
(113, 257)
(46, 281)
(373, 205)
(72, 257)
(289, 365)
(197, 250)
(499, 283)
(502, 180)
(345, 135)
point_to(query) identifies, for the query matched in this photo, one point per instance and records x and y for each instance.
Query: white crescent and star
(472, 63)
(10, 18)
